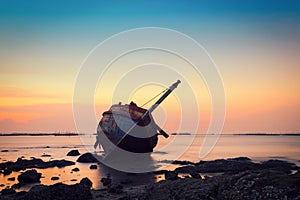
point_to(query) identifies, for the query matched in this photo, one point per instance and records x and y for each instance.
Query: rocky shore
(236, 178)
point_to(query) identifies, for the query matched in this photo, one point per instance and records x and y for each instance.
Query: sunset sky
(255, 44)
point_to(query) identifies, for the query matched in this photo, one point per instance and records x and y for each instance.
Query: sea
(189, 147)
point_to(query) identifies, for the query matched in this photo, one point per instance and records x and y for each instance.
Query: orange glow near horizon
(248, 110)
(262, 94)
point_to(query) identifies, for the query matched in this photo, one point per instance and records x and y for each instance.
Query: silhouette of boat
(131, 128)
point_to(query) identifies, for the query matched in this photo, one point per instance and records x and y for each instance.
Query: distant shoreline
(179, 134)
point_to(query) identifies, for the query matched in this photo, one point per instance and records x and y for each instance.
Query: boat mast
(161, 99)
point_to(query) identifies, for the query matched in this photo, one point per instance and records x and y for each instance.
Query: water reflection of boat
(130, 128)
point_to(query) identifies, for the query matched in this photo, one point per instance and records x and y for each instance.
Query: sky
(255, 44)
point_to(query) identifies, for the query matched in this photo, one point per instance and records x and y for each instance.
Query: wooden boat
(130, 127)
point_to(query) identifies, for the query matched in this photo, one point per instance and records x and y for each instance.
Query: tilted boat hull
(130, 128)
(121, 128)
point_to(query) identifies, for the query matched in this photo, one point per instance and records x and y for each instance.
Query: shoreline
(234, 178)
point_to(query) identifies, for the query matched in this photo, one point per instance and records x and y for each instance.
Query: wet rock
(229, 165)
(116, 189)
(185, 169)
(240, 159)
(54, 178)
(279, 165)
(106, 181)
(187, 188)
(159, 172)
(7, 172)
(8, 191)
(76, 169)
(29, 176)
(16, 186)
(195, 175)
(62, 163)
(11, 179)
(77, 191)
(45, 155)
(87, 158)
(262, 181)
(23, 164)
(249, 184)
(87, 182)
(201, 162)
(182, 162)
(73, 153)
(170, 175)
(259, 184)
(126, 181)
(93, 167)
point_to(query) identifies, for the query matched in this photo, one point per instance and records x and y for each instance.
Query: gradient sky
(256, 45)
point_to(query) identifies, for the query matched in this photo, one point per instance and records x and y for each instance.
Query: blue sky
(120, 15)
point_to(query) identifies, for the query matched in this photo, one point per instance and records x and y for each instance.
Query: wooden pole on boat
(152, 108)
(171, 88)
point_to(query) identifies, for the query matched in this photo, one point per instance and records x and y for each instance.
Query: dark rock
(258, 184)
(22, 164)
(258, 181)
(126, 181)
(116, 189)
(188, 188)
(7, 172)
(93, 167)
(29, 176)
(229, 165)
(240, 159)
(11, 179)
(20, 194)
(73, 153)
(279, 165)
(195, 175)
(58, 191)
(62, 163)
(16, 186)
(45, 155)
(185, 169)
(76, 169)
(238, 164)
(182, 162)
(54, 178)
(87, 158)
(8, 191)
(87, 182)
(201, 162)
(106, 181)
(170, 175)
(159, 172)
(249, 184)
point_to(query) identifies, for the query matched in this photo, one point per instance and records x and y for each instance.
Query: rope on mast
(154, 97)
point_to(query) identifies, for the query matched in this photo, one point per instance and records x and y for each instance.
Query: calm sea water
(257, 148)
